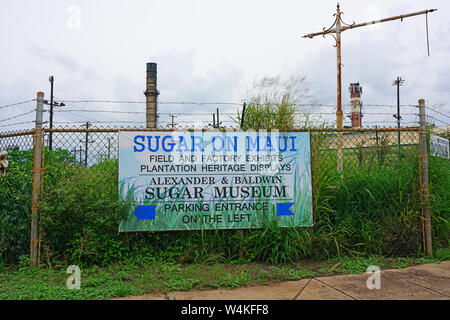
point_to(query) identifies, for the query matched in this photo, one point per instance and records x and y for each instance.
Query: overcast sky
(213, 51)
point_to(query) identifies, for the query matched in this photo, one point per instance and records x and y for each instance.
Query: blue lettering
(196, 141)
(182, 144)
(252, 144)
(231, 143)
(167, 146)
(268, 144)
(279, 144)
(293, 144)
(149, 139)
(142, 138)
(221, 143)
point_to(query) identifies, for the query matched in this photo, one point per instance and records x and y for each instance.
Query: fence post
(36, 179)
(376, 134)
(86, 146)
(424, 185)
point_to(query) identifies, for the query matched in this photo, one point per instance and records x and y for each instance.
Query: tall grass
(367, 210)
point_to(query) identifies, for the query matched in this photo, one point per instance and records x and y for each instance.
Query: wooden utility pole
(336, 33)
(50, 137)
(398, 83)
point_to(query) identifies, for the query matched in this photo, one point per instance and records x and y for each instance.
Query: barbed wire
(17, 103)
(311, 113)
(82, 116)
(102, 111)
(443, 114)
(16, 123)
(312, 104)
(208, 113)
(19, 115)
(159, 102)
(100, 121)
(439, 120)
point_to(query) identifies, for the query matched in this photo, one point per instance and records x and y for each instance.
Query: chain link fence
(87, 158)
(360, 146)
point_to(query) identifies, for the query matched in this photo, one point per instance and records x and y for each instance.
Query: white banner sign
(439, 147)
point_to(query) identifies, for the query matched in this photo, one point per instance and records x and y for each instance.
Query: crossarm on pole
(343, 28)
(402, 16)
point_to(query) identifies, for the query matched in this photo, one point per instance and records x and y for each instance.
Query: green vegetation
(145, 276)
(369, 210)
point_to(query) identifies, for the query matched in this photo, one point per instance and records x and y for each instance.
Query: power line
(421, 83)
(416, 84)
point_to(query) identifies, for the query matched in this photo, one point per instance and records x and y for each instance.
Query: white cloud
(215, 50)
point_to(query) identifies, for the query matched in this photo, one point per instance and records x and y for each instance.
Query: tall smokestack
(151, 93)
(355, 100)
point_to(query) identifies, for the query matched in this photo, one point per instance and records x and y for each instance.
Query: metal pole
(109, 148)
(376, 133)
(173, 121)
(337, 30)
(426, 26)
(398, 108)
(218, 123)
(86, 145)
(243, 114)
(36, 179)
(352, 26)
(50, 140)
(425, 192)
(339, 92)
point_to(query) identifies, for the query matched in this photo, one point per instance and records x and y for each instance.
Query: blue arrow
(145, 212)
(283, 209)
